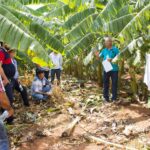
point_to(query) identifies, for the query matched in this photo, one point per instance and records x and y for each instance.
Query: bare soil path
(40, 127)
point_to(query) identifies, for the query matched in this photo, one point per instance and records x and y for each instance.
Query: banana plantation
(79, 115)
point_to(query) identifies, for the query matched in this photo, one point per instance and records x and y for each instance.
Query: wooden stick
(67, 132)
(99, 140)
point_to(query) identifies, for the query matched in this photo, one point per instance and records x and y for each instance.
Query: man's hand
(5, 81)
(49, 93)
(96, 53)
(38, 92)
(4, 103)
(110, 60)
(18, 80)
(115, 60)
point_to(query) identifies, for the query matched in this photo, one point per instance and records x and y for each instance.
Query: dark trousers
(46, 73)
(9, 92)
(9, 71)
(22, 90)
(114, 77)
(56, 72)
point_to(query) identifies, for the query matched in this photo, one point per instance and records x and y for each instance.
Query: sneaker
(10, 120)
(27, 105)
(106, 102)
(114, 101)
(37, 101)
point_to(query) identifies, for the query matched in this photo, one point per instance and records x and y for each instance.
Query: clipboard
(107, 65)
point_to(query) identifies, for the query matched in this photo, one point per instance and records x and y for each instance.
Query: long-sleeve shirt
(147, 71)
(16, 76)
(57, 60)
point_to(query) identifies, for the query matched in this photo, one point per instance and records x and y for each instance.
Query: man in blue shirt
(109, 53)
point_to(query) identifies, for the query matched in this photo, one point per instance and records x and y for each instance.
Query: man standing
(4, 103)
(15, 81)
(57, 61)
(109, 53)
(45, 69)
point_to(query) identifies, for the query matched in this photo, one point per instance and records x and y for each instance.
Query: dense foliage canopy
(75, 27)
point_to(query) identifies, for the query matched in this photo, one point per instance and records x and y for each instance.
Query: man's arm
(5, 80)
(61, 60)
(36, 88)
(115, 59)
(16, 76)
(98, 54)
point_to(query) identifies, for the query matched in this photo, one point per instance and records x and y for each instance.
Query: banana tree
(73, 27)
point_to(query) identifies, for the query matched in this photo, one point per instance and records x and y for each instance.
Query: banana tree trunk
(133, 83)
(100, 75)
(80, 69)
(121, 72)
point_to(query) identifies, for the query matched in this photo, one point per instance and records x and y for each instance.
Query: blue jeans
(9, 92)
(56, 72)
(114, 77)
(4, 144)
(41, 97)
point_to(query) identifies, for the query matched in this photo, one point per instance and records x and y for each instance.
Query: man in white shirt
(57, 61)
(41, 88)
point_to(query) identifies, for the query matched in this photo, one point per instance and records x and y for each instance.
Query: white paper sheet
(107, 66)
(147, 71)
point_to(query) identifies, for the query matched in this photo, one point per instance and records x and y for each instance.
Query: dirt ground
(40, 126)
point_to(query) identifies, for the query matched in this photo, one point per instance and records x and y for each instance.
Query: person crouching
(41, 88)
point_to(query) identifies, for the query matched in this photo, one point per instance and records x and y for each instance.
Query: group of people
(41, 85)
(9, 81)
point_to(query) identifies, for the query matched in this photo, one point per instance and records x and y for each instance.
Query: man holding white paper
(110, 69)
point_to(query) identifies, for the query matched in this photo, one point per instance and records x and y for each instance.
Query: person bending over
(41, 88)
(15, 81)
